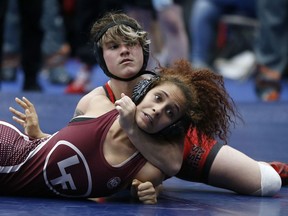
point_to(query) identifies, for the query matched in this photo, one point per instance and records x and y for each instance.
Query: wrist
(133, 130)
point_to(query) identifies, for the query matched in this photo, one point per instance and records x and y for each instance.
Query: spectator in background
(3, 6)
(172, 26)
(85, 13)
(165, 20)
(205, 17)
(271, 48)
(55, 49)
(11, 42)
(31, 38)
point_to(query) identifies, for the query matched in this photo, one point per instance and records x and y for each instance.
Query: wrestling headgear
(98, 51)
(139, 92)
(141, 89)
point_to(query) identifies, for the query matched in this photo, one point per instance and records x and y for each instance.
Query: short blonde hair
(116, 27)
(119, 26)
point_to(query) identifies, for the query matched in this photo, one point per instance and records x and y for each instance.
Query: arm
(28, 119)
(147, 183)
(165, 155)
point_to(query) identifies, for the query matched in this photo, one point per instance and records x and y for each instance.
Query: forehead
(169, 87)
(171, 91)
(119, 32)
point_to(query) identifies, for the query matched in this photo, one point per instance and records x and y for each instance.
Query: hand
(145, 191)
(126, 109)
(29, 119)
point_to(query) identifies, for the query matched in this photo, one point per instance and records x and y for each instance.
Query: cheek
(139, 53)
(141, 123)
(109, 59)
(163, 123)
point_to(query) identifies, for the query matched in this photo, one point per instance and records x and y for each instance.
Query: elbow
(174, 163)
(174, 168)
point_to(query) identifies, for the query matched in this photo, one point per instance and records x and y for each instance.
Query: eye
(170, 113)
(113, 46)
(158, 97)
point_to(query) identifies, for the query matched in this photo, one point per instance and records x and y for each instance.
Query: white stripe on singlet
(14, 168)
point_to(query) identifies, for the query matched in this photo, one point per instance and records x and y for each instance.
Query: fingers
(136, 183)
(145, 191)
(17, 113)
(122, 103)
(28, 103)
(22, 103)
(20, 117)
(123, 100)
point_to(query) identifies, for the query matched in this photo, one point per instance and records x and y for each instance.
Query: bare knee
(235, 171)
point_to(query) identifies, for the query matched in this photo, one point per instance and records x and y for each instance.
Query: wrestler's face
(122, 59)
(162, 106)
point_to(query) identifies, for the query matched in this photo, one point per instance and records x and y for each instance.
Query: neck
(119, 87)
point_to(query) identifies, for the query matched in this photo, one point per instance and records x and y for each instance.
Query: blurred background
(46, 49)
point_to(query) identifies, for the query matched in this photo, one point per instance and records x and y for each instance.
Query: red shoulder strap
(109, 92)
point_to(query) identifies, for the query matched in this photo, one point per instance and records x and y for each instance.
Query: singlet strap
(109, 92)
(79, 119)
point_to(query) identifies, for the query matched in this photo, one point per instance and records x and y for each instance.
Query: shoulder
(95, 92)
(98, 105)
(84, 102)
(99, 91)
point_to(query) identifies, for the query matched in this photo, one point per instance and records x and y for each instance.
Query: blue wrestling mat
(263, 136)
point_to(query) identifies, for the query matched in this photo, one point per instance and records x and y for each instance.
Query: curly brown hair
(213, 110)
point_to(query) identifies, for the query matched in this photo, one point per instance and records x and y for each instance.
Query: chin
(129, 75)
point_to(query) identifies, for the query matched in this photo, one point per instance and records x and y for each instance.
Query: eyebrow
(109, 42)
(175, 104)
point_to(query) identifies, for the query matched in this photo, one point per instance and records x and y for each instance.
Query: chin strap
(134, 77)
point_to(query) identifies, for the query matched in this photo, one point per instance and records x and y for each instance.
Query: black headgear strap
(99, 52)
(141, 89)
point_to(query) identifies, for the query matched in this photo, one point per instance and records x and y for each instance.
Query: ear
(141, 89)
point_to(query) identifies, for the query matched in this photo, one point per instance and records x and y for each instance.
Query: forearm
(167, 156)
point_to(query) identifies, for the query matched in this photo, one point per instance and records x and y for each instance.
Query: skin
(223, 170)
(121, 51)
(166, 107)
(124, 59)
(222, 173)
(161, 107)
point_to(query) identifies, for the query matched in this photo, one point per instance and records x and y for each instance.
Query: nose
(124, 49)
(158, 109)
